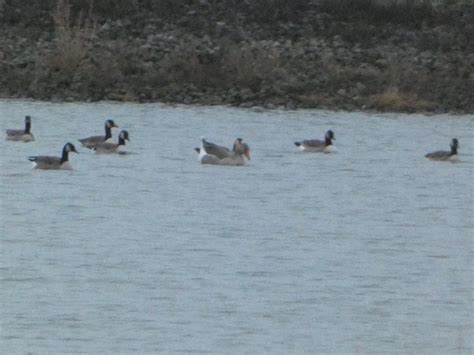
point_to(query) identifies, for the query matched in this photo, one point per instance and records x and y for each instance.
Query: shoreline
(257, 109)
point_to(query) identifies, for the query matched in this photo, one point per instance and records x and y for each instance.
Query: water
(366, 250)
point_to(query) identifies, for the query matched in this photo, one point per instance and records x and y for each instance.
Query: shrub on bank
(74, 37)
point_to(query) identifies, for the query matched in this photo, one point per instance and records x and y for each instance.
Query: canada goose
(109, 148)
(236, 157)
(91, 142)
(21, 135)
(443, 155)
(316, 145)
(54, 163)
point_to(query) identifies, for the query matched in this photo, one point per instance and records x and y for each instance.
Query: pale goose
(213, 149)
(110, 148)
(233, 158)
(316, 145)
(443, 155)
(21, 135)
(54, 163)
(216, 150)
(91, 142)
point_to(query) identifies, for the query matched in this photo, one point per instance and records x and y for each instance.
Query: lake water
(366, 250)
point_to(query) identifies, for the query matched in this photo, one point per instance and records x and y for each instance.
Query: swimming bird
(110, 148)
(213, 149)
(217, 150)
(54, 163)
(443, 155)
(236, 157)
(316, 145)
(21, 135)
(91, 142)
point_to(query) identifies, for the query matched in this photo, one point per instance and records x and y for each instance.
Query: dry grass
(186, 65)
(73, 37)
(409, 12)
(230, 67)
(249, 67)
(394, 100)
(269, 11)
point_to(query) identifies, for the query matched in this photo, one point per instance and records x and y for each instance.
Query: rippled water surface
(369, 249)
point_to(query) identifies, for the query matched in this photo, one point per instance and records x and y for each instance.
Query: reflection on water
(365, 250)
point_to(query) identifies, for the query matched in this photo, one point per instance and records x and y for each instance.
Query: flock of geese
(208, 153)
(100, 144)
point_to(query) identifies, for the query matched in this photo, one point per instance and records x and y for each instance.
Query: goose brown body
(92, 141)
(21, 135)
(443, 155)
(317, 145)
(54, 163)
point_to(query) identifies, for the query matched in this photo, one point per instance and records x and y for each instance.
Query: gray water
(366, 250)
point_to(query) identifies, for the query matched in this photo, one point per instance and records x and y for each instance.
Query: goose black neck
(121, 141)
(327, 141)
(454, 149)
(27, 127)
(108, 132)
(64, 156)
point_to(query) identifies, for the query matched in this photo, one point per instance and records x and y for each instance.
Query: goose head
(237, 142)
(242, 148)
(330, 135)
(69, 147)
(123, 136)
(454, 143)
(110, 124)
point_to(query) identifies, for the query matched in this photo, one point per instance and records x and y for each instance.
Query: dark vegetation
(342, 54)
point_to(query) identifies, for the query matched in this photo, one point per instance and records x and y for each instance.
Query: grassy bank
(322, 54)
